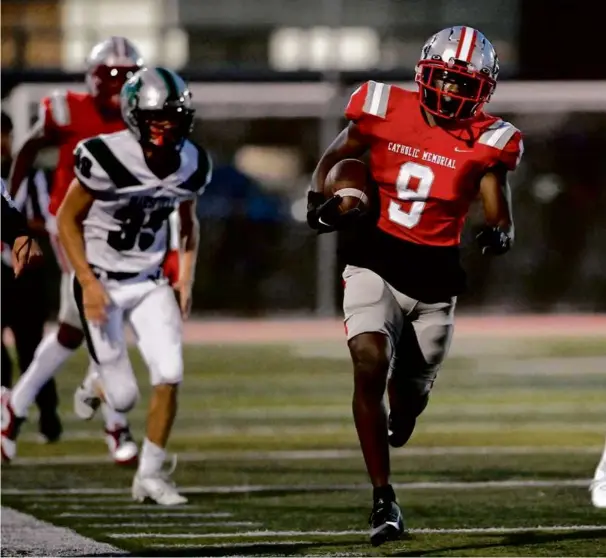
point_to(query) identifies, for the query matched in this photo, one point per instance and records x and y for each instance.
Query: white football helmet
(457, 72)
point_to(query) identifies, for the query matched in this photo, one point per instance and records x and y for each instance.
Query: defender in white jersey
(113, 225)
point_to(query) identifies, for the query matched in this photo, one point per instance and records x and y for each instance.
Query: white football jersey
(127, 225)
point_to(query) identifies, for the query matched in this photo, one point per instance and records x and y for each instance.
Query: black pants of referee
(24, 311)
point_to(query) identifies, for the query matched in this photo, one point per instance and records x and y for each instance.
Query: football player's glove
(324, 215)
(493, 241)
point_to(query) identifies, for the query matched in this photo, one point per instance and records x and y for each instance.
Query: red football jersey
(427, 176)
(71, 117)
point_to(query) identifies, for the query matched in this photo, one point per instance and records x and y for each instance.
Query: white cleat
(598, 487)
(122, 447)
(85, 403)
(160, 488)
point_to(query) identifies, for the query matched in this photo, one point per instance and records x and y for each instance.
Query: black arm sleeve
(14, 223)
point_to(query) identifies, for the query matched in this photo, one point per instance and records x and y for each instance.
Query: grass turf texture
(544, 395)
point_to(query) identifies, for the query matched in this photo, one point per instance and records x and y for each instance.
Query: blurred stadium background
(520, 400)
(270, 80)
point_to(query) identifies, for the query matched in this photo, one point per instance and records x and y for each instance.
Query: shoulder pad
(371, 98)
(507, 140)
(57, 111)
(498, 134)
(202, 174)
(99, 169)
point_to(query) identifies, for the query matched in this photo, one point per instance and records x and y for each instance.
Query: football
(350, 179)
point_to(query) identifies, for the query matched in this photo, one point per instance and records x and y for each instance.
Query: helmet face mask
(165, 128)
(457, 73)
(452, 91)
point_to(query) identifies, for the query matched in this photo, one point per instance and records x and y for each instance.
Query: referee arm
(17, 234)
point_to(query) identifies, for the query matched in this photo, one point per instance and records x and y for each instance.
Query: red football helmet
(108, 66)
(457, 73)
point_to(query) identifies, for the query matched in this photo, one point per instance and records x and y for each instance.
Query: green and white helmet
(157, 107)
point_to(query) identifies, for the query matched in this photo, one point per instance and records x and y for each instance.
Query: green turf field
(499, 465)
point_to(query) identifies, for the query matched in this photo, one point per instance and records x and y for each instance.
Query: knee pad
(122, 398)
(119, 384)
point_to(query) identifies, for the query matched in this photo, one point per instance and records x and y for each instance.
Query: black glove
(493, 241)
(323, 215)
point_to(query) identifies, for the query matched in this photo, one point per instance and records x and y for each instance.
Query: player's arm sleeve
(90, 173)
(368, 103)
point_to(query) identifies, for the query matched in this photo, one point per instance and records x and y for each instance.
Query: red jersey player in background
(65, 119)
(432, 153)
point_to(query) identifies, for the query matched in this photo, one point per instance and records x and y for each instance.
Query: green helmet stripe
(171, 84)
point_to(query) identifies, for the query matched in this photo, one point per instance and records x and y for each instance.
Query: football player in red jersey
(432, 152)
(64, 120)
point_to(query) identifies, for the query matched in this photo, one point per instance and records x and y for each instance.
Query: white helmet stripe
(467, 42)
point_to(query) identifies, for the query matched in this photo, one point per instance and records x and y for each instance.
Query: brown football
(350, 179)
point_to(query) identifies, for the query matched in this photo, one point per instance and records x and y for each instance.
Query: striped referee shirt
(32, 199)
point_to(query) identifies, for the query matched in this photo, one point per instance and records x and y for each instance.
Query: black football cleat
(386, 522)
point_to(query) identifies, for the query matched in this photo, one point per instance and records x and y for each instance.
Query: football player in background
(64, 120)
(432, 153)
(134, 180)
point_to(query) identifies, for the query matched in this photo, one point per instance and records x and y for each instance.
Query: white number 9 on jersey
(425, 176)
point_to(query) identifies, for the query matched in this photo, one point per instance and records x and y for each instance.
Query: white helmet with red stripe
(457, 72)
(108, 66)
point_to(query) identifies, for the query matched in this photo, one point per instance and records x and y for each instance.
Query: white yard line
(300, 455)
(126, 515)
(340, 427)
(24, 535)
(243, 489)
(240, 545)
(271, 534)
(172, 526)
(59, 502)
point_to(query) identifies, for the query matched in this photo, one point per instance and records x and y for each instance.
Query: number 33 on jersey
(127, 225)
(427, 176)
